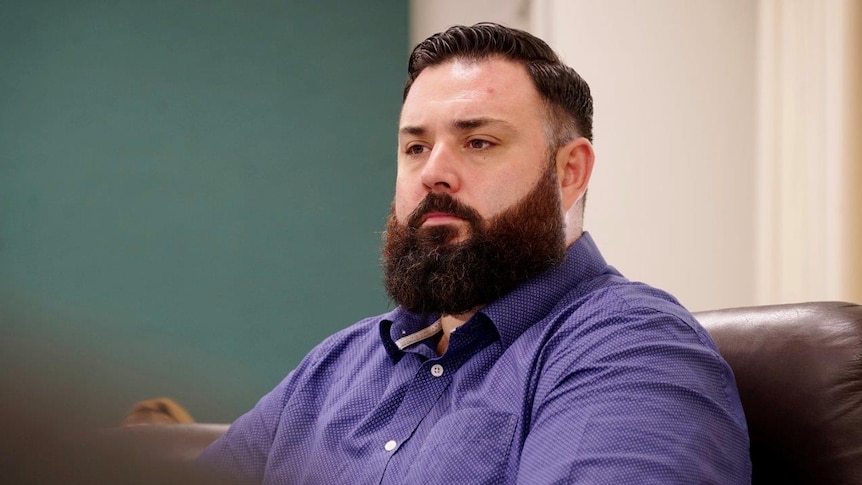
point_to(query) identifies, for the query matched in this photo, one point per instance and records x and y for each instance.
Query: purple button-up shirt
(577, 376)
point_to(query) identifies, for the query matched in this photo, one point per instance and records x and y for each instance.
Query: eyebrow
(473, 123)
(458, 125)
(412, 130)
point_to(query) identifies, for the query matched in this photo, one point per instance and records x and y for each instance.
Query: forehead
(463, 89)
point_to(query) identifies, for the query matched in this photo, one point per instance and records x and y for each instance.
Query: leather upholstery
(798, 368)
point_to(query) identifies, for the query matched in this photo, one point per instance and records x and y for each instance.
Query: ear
(574, 167)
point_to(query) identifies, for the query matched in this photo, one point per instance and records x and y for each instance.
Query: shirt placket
(429, 383)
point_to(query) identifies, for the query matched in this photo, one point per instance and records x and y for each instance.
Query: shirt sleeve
(643, 399)
(242, 452)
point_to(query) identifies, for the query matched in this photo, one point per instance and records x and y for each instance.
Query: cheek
(506, 190)
(404, 202)
(502, 197)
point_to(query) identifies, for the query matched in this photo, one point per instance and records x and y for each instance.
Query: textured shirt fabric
(577, 376)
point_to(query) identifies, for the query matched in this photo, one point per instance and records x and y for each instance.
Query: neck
(450, 323)
(573, 234)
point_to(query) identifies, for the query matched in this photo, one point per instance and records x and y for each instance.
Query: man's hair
(567, 96)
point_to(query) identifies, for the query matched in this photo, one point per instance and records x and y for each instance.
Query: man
(516, 355)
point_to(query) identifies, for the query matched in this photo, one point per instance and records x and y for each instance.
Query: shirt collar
(518, 310)
(399, 323)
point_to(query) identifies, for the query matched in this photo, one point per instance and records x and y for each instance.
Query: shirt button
(390, 445)
(436, 370)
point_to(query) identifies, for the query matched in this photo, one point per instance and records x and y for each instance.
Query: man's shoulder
(624, 297)
(629, 311)
(361, 333)
(334, 356)
(628, 327)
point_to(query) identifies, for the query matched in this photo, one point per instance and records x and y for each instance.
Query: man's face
(473, 130)
(477, 208)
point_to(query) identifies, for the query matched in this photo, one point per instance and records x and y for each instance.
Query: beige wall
(672, 196)
(430, 16)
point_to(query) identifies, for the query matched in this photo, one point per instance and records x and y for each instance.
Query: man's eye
(415, 150)
(478, 144)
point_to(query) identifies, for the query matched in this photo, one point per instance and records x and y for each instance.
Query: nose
(440, 171)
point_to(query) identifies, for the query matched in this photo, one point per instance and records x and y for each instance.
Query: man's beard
(426, 273)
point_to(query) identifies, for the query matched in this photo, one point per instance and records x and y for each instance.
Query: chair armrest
(164, 442)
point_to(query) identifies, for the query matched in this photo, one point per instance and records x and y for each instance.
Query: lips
(438, 218)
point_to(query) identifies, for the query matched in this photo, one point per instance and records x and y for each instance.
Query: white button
(390, 445)
(436, 370)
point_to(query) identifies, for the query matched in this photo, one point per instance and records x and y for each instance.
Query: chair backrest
(798, 368)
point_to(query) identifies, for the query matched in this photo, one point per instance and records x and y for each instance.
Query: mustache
(442, 202)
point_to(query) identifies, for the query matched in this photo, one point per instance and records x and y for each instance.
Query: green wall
(191, 192)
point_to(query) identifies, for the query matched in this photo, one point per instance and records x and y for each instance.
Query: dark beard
(425, 273)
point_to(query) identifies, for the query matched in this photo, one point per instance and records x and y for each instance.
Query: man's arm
(242, 452)
(647, 402)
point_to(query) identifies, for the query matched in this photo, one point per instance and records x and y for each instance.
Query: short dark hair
(566, 95)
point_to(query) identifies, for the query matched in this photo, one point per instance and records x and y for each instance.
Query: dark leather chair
(799, 372)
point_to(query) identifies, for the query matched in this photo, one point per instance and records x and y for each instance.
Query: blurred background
(192, 193)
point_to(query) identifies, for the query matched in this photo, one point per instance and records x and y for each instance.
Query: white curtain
(809, 198)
